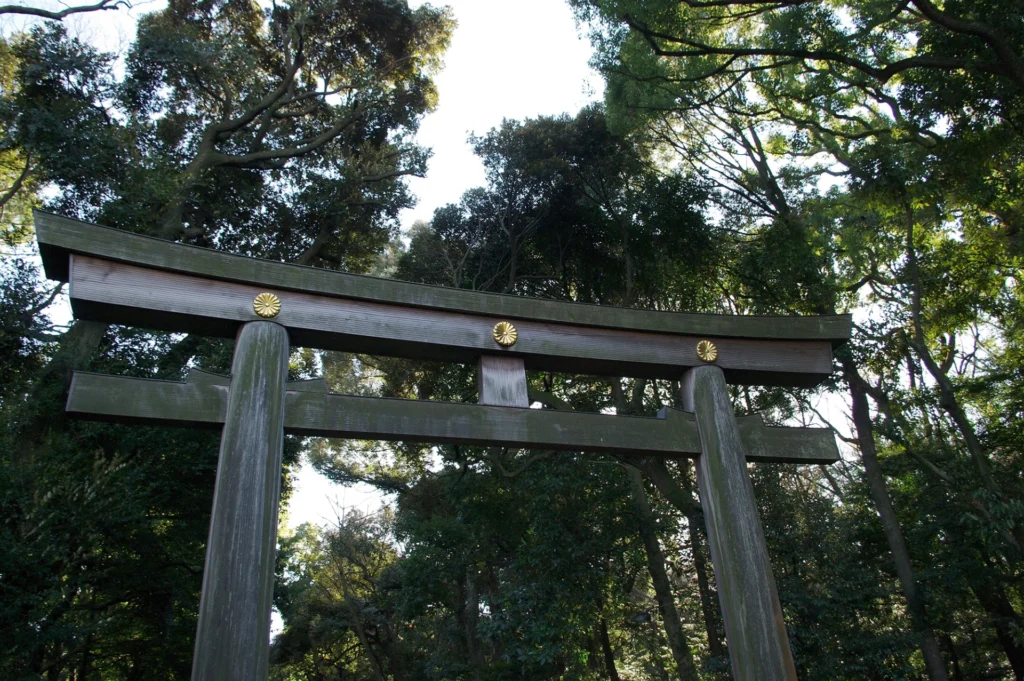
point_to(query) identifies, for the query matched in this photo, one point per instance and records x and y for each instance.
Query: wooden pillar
(754, 628)
(233, 636)
(502, 381)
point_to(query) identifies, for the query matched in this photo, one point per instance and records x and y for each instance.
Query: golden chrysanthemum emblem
(266, 305)
(505, 334)
(707, 351)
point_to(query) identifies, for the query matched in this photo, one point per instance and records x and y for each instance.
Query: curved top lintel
(59, 237)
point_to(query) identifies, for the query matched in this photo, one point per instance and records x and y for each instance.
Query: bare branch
(391, 174)
(57, 16)
(270, 156)
(695, 48)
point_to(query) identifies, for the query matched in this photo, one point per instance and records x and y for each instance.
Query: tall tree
(846, 147)
(278, 132)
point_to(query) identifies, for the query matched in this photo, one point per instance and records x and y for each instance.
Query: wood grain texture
(233, 635)
(501, 381)
(203, 403)
(754, 626)
(58, 237)
(102, 290)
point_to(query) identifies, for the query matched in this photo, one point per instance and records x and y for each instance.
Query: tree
(103, 527)
(769, 99)
(666, 621)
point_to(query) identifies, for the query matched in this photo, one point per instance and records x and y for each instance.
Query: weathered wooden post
(233, 636)
(754, 628)
(502, 381)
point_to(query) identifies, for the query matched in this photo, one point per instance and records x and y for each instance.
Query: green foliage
(571, 211)
(867, 158)
(544, 546)
(102, 541)
(795, 157)
(25, 334)
(281, 132)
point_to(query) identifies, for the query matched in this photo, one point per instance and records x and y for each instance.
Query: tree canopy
(750, 157)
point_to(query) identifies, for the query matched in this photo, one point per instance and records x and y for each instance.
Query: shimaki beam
(130, 279)
(268, 307)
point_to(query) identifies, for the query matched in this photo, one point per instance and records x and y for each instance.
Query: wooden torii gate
(123, 278)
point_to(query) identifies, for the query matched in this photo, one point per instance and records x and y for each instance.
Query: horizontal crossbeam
(311, 410)
(59, 236)
(107, 291)
(123, 278)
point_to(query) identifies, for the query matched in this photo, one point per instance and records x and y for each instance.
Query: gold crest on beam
(266, 305)
(707, 351)
(505, 334)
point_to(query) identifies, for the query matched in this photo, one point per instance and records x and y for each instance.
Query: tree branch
(1012, 61)
(696, 48)
(57, 16)
(9, 194)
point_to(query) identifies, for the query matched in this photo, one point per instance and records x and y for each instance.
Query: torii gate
(124, 278)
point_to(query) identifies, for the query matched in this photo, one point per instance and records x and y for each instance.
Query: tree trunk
(85, 662)
(53, 673)
(954, 661)
(594, 655)
(708, 599)
(78, 346)
(927, 641)
(609, 655)
(701, 554)
(472, 606)
(1005, 620)
(680, 496)
(364, 642)
(659, 577)
(493, 587)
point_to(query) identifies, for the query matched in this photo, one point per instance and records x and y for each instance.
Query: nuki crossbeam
(311, 410)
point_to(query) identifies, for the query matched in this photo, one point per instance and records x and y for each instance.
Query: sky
(507, 60)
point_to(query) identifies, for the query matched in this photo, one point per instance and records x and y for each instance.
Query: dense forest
(749, 157)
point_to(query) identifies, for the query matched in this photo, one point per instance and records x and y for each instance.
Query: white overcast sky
(507, 60)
